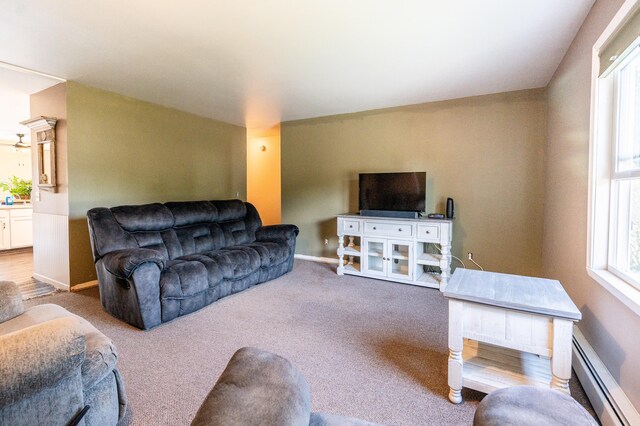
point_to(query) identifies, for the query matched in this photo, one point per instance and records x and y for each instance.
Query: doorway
(16, 176)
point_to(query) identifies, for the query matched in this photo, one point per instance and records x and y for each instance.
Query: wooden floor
(17, 266)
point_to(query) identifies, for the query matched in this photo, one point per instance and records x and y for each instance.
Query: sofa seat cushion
(271, 252)
(235, 262)
(183, 278)
(101, 354)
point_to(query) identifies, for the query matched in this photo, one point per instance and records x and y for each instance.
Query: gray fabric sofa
(261, 388)
(156, 262)
(52, 364)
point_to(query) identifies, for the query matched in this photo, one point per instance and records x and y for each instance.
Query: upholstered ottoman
(529, 406)
(261, 388)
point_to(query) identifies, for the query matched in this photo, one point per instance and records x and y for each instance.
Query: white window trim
(600, 173)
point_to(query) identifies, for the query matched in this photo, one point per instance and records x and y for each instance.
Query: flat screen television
(392, 192)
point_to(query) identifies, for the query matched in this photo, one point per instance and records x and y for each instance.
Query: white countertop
(16, 206)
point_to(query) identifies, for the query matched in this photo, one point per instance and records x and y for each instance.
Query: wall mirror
(45, 129)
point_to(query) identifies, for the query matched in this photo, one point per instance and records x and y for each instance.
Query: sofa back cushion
(174, 229)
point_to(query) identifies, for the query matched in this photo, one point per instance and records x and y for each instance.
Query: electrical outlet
(470, 256)
(326, 241)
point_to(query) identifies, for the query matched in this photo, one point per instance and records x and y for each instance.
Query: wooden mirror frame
(45, 128)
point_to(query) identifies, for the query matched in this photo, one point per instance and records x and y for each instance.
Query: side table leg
(455, 351)
(561, 355)
(340, 254)
(445, 265)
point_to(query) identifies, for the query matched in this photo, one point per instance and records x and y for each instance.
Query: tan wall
(126, 151)
(263, 173)
(52, 102)
(607, 324)
(51, 208)
(485, 152)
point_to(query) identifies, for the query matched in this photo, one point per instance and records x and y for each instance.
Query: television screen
(393, 191)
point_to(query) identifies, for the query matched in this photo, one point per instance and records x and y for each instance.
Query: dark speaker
(449, 208)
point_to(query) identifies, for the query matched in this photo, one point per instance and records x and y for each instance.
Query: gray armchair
(54, 363)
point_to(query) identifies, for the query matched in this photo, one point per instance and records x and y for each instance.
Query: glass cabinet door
(399, 259)
(375, 260)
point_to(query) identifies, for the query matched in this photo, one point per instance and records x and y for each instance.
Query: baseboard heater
(607, 398)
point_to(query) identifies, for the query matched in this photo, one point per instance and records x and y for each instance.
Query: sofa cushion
(183, 278)
(145, 217)
(193, 212)
(271, 253)
(101, 354)
(10, 300)
(229, 210)
(200, 238)
(236, 262)
(257, 387)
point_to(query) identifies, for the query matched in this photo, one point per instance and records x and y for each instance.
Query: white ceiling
(256, 63)
(15, 88)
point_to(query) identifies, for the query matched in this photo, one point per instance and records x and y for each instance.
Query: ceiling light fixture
(21, 146)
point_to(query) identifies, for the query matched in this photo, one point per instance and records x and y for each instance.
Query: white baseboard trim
(315, 258)
(56, 284)
(607, 398)
(84, 286)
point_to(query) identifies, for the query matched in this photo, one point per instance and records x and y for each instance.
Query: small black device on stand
(449, 208)
(449, 211)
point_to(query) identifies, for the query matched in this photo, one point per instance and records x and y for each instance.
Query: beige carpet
(369, 349)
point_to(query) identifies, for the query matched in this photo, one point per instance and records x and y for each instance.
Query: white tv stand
(410, 251)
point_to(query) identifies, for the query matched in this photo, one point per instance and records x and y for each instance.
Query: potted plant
(19, 188)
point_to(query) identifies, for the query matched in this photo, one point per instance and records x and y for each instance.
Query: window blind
(620, 43)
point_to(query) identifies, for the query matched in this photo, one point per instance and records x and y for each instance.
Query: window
(613, 257)
(624, 240)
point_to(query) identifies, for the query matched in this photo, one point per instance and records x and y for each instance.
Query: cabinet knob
(350, 226)
(374, 228)
(399, 229)
(427, 232)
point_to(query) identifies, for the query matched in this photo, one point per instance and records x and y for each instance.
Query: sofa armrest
(38, 357)
(123, 263)
(277, 232)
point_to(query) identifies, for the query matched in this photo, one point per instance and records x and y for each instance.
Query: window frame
(619, 203)
(602, 172)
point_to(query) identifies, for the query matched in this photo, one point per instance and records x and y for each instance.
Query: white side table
(507, 330)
